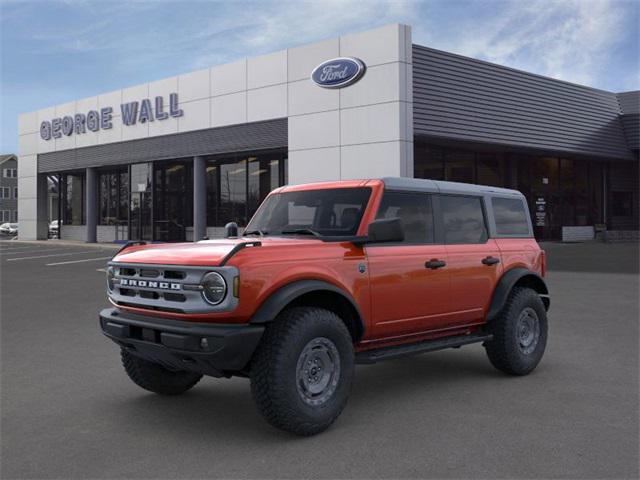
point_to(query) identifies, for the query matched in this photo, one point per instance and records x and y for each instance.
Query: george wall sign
(94, 120)
(338, 72)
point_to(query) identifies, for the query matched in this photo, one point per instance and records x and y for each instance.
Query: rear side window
(510, 216)
(415, 211)
(463, 219)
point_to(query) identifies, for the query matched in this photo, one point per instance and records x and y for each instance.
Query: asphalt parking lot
(69, 411)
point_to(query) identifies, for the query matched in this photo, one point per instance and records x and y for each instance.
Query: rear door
(409, 280)
(474, 258)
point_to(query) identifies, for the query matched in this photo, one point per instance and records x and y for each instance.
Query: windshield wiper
(257, 231)
(302, 231)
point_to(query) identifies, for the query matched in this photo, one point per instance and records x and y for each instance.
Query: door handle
(490, 260)
(435, 263)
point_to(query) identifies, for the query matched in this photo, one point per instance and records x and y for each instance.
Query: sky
(55, 51)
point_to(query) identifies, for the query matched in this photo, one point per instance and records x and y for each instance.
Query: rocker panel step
(387, 353)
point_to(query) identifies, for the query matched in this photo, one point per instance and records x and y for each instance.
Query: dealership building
(178, 158)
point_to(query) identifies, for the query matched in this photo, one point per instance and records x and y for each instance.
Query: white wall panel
(46, 145)
(371, 123)
(162, 88)
(380, 84)
(303, 59)
(130, 132)
(163, 127)
(371, 160)
(196, 115)
(113, 134)
(27, 166)
(314, 130)
(27, 187)
(321, 164)
(229, 78)
(131, 94)
(28, 144)
(111, 99)
(267, 70)
(229, 109)
(91, 103)
(87, 139)
(266, 103)
(306, 97)
(194, 85)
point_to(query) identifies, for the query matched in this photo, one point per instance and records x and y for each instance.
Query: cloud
(569, 40)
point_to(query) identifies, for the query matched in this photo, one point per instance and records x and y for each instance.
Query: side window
(511, 216)
(415, 211)
(463, 219)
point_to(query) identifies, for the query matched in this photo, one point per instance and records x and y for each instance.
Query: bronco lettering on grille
(129, 282)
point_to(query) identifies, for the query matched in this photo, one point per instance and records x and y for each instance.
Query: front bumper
(180, 345)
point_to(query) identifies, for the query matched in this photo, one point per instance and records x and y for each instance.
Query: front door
(410, 280)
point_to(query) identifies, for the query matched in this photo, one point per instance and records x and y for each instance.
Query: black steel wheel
(519, 333)
(302, 371)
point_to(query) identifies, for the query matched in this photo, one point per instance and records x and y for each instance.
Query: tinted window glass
(331, 212)
(414, 209)
(510, 215)
(463, 219)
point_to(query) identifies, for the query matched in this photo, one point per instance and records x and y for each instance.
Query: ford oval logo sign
(338, 73)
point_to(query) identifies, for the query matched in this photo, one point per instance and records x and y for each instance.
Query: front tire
(156, 378)
(302, 371)
(519, 333)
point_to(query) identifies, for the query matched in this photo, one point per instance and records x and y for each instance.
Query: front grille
(162, 288)
(147, 273)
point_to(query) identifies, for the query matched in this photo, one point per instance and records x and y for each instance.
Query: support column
(199, 198)
(42, 215)
(91, 205)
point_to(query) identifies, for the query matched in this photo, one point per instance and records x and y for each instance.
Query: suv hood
(203, 253)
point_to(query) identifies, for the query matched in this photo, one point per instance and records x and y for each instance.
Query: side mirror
(231, 230)
(385, 230)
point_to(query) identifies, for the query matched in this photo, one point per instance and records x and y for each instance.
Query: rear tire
(519, 333)
(302, 371)
(156, 378)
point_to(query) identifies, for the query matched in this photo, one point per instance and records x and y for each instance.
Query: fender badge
(362, 268)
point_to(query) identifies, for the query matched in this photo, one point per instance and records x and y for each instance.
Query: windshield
(330, 212)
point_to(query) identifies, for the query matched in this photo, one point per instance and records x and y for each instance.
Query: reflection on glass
(73, 209)
(459, 167)
(237, 185)
(113, 193)
(173, 200)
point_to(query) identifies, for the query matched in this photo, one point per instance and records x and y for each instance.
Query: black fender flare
(506, 284)
(278, 300)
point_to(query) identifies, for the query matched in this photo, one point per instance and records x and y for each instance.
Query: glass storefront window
(233, 192)
(237, 185)
(73, 201)
(560, 191)
(113, 195)
(173, 200)
(123, 196)
(460, 167)
(490, 169)
(428, 162)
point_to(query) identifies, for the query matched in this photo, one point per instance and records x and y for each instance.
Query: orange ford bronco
(326, 276)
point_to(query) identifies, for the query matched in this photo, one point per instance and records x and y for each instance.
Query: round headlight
(111, 273)
(214, 288)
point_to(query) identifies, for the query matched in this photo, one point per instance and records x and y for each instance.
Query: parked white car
(9, 228)
(54, 229)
